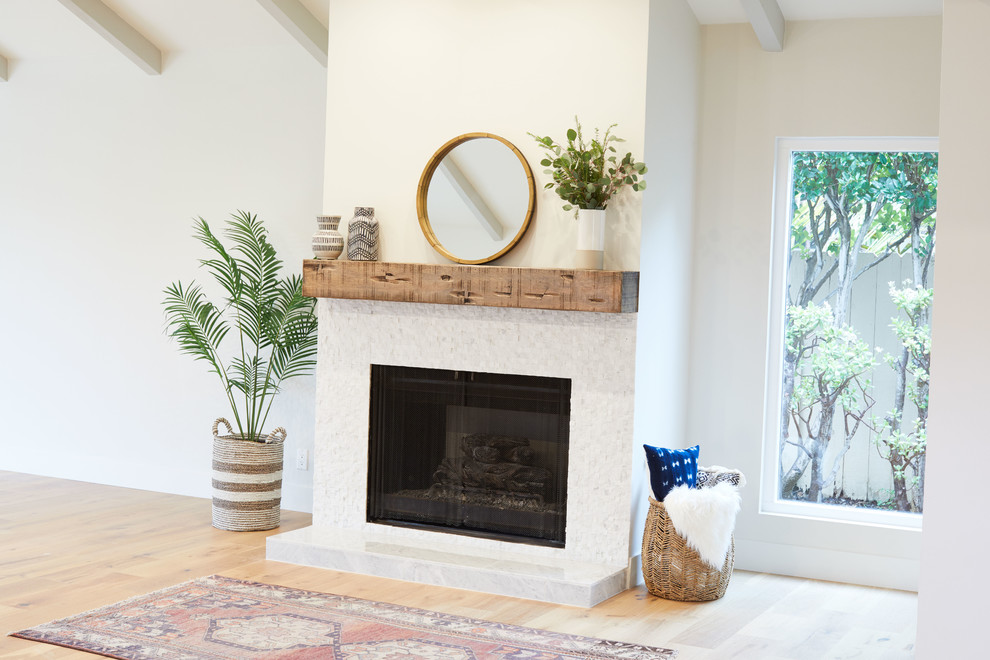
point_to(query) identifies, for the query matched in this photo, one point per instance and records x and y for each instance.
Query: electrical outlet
(302, 459)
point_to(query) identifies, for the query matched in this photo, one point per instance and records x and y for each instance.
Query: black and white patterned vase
(362, 235)
(328, 243)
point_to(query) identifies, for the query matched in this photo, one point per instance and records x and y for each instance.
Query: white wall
(397, 93)
(662, 336)
(816, 87)
(103, 168)
(952, 599)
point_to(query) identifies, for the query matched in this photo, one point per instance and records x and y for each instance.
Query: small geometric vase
(362, 235)
(328, 243)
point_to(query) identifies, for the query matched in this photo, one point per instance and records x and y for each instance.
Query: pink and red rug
(219, 617)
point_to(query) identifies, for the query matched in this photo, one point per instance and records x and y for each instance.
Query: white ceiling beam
(109, 25)
(302, 25)
(767, 21)
(3, 68)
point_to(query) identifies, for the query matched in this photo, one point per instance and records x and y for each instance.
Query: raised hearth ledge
(565, 582)
(489, 286)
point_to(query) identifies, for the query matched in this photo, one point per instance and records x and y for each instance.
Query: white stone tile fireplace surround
(595, 350)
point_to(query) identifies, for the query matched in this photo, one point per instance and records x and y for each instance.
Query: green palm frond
(194, 322)
(259, 266)
(224, 268)
(287, 304)
(275, 323)
(249, 313)
(257, 257)
(296, 355)
(245, 375)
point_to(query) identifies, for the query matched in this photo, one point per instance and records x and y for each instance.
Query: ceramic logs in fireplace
(471, 453)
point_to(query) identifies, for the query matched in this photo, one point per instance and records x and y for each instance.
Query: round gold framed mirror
(476, 198)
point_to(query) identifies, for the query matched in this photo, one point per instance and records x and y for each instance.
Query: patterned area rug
(219, 617)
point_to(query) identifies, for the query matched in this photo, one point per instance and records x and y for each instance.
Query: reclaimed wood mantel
(491, 286)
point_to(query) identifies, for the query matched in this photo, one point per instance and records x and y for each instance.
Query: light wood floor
(67, 546)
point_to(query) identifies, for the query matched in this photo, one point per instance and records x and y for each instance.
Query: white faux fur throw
(705, 518)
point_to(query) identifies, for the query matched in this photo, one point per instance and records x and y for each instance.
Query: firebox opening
(470, 453)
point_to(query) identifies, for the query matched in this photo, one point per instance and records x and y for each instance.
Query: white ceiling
(731, 11)
(32, 29)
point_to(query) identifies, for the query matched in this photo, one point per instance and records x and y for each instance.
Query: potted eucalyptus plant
(274, 339)
(586, 175)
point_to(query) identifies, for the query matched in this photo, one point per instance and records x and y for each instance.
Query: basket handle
(271, 438)
(216, 426)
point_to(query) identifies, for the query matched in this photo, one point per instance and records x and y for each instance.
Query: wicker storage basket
(674, 571)
(247, 480)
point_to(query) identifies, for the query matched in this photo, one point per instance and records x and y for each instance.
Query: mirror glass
(476, 198)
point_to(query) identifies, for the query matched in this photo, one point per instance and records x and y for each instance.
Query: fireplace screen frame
(540, 404)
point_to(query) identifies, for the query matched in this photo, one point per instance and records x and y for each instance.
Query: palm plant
(275, 324)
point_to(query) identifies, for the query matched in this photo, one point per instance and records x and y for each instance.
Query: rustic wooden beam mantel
(491, 286)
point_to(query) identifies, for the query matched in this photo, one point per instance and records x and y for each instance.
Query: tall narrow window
(851, 312)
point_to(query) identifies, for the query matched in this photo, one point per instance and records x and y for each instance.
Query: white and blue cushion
(670, 468)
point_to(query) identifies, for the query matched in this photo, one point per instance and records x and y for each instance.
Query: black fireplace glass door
(469, 453)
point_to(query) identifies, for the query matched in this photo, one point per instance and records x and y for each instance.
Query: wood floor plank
(728, 616)
(68, 546)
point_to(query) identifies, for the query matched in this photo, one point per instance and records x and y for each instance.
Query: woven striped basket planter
(247, 480)
(675, 571)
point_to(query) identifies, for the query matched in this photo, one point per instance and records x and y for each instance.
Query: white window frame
(770, 505)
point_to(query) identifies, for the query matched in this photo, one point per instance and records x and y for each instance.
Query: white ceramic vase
(328, 243)
(590, 239)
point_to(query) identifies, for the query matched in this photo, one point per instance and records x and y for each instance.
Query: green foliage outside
(275, 336)
(831, 378)
(905, 448)
(851, 211)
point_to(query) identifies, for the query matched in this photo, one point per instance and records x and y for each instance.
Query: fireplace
(578, 366)
(471, 453)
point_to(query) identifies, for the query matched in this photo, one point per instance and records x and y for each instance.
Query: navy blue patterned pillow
(670, 468)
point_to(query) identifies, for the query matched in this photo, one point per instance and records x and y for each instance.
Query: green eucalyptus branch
(586, 175)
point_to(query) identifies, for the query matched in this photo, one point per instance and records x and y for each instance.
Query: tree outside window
(855, 217)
